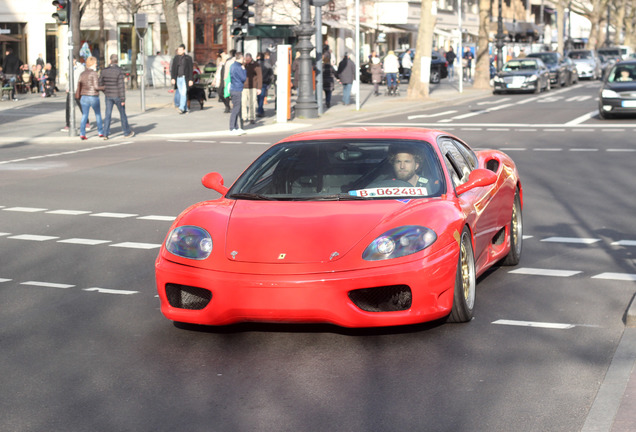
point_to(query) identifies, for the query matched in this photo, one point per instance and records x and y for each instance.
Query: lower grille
(391, 298)
(187, 297)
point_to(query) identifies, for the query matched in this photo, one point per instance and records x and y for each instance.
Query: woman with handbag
(88, 93)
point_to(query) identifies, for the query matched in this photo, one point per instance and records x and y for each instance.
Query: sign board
(141, 21)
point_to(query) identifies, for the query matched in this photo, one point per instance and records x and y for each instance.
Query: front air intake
(391, 298)
(187, 297)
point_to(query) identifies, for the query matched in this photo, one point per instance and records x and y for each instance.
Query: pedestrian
(226, 80)
(181, 73)
(49, 77)
(407, 64)
(328, 78)
(376, 74)
(252, 88)
(113, 79)
(467, 63)
(391, 70)
(238, 75)
(450, 59)
(219, 81)
(78, 68)
(268, 76)
(295, 70)
(88, 93)
(40, 61)
(11, 67)
(346, 74)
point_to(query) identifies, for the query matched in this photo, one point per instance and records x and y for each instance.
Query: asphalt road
(85, 346)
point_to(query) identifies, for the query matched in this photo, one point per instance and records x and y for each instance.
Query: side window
(468, 154)
(457, 165)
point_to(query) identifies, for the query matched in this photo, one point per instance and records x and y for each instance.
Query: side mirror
(214, 181)
(478, 178)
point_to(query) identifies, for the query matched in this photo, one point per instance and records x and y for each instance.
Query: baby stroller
(393, 90)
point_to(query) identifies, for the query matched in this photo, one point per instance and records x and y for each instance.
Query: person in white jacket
(391, 69)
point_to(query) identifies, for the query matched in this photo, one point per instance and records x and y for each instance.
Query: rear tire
(465, 282)
(515, 233)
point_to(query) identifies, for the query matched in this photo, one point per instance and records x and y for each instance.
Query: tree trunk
(560, 14)
(172, 23)
(423, 51)
(134, 48)
(482, 60)
(102, 37)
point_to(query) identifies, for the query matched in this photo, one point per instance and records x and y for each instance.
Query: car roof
(367, 133)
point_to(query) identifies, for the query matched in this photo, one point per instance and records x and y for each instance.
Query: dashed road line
(110, 291)
(24, 209)
(68, 212)
(545, 325)
(114, 215)
(158, 218)
(616, 276)
(572, 240)
(624, 243)
(84, 241)
(33, 237)
(133, 245)
(47, 284)
(545, 272)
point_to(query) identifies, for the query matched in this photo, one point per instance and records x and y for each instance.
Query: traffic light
(241, 16)
(63, 12)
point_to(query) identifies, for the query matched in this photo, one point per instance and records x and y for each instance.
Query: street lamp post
(499, 38)
(306, 106)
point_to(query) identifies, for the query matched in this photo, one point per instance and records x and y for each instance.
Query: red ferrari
(359, 227)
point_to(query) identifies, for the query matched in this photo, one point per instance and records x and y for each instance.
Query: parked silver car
(587, 63)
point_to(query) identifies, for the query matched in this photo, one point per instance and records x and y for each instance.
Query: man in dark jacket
(346, 74)
(113, 79)
(11, 69)
(268, 76)
(181, 73)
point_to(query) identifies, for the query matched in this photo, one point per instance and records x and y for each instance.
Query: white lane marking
(557, 326)
(439, 114)
(84, 241)
(584, 150)
(47, 284)
(204, 141)
(548, 149)
(581, 119)
(24, 209)
(114, 215)
(110, 291)
(4, 280)
(621, 150)
(32, 237)
(513, 148)
(133, 245)
(616, 276)
(157, 218)
(176, 140)
(580, 98)
(555, 130)
(527, 130)
(506, 99)
(68, 212)
(487, 110)
(612, 130)
(526, 237)
(573, 240)
(51, 155)
(544, 272)
(624, 243)
(259, 143)
(4, 234)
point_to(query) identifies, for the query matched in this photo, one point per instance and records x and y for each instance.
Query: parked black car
(522, 74)
(618, 92)
(559, 75)
(572, 70)
(439, 69)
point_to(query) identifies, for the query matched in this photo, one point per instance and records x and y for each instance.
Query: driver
(406, 164)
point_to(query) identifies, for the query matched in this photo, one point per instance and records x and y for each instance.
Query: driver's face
(404, 166)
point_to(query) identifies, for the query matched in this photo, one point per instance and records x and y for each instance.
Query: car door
(478, 204)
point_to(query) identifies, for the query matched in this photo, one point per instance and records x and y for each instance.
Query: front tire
(465, 282)
(515, 234)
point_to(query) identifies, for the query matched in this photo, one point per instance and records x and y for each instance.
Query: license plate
(629, 104)
(517, 82)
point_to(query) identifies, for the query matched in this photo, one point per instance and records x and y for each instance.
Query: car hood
(584, 61)
(625, 88)
(271, 232)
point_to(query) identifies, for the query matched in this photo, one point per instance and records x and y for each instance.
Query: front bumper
(617, 106)
(312, 298)
(509, 86)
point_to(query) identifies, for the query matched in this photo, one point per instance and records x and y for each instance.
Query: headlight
(498, 78)
(189, 242)
(607, 93)
(532, 78)
(399, 242)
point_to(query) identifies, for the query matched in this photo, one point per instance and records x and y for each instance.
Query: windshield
(548, 58)
(580, 55)
(517, 65)
(622, 73)
(342, 170)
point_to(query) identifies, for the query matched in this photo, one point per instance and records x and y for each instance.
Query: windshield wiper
(250, 196)
(337, 197)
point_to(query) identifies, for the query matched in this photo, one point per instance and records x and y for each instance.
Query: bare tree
(78, 7)
(482, 59)
(172, 23)
(419, 88)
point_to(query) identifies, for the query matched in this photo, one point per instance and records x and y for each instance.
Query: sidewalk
(161, 119)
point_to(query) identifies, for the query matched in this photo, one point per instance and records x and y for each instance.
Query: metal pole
(319, 53)
(500, 37)
(306, 106)
(71, 78)
(357, 61)
(143, 73)
(461, 47)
